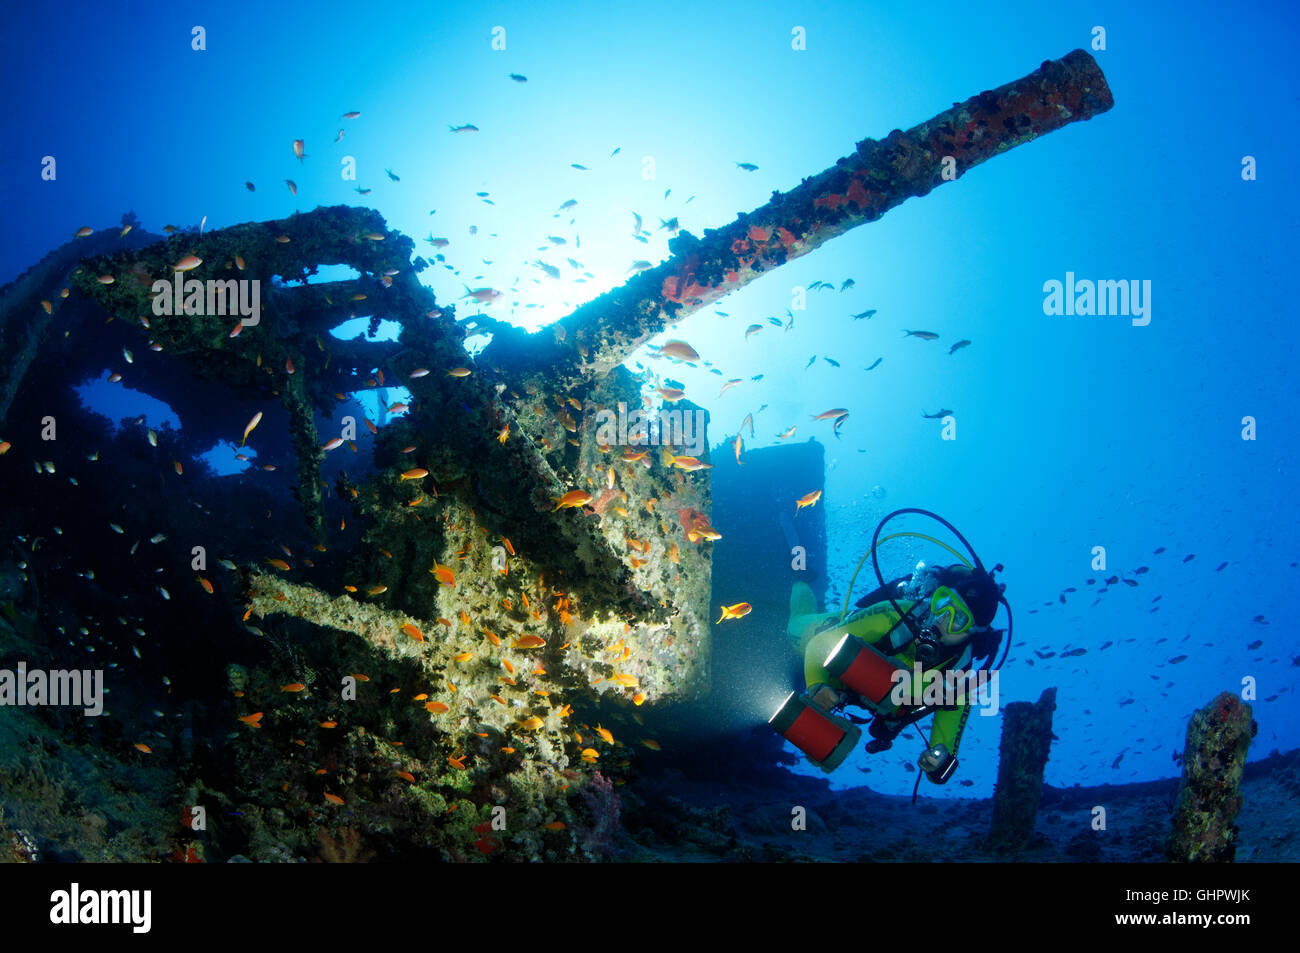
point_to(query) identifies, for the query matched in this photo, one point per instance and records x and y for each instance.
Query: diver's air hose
(848, 595)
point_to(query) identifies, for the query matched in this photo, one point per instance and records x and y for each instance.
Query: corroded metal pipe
(1209, 796)
(1022, 756)
(859, 188)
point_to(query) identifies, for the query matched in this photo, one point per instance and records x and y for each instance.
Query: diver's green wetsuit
(814, 634)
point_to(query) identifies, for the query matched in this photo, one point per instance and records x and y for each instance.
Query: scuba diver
(937, 619)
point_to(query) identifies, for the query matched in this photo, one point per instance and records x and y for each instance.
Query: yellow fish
(738, 611)
(444, 574)
(808, 499)
(257, 419)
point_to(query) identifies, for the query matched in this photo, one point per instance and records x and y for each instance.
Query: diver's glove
(938, 763)
(825, 697)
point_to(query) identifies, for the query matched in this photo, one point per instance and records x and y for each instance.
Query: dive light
(825, 738)
(866, 671)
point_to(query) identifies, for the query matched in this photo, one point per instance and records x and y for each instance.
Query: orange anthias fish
(418, 473)
(738, 611)
(690, 464)
(436, 708)
(253, 719)
(532, 723)
(808, 499)
(627, 681)
(444, 574)
(573, 498)
(530, 642)
(679, 350)
(293, 687)
(279, 564)
(413, 632)
(140, 746)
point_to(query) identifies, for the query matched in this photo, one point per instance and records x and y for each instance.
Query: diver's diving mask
(949, 613)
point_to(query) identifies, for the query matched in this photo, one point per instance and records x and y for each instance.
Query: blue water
(1071, 432)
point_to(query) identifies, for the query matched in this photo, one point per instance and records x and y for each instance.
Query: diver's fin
(803, 601)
